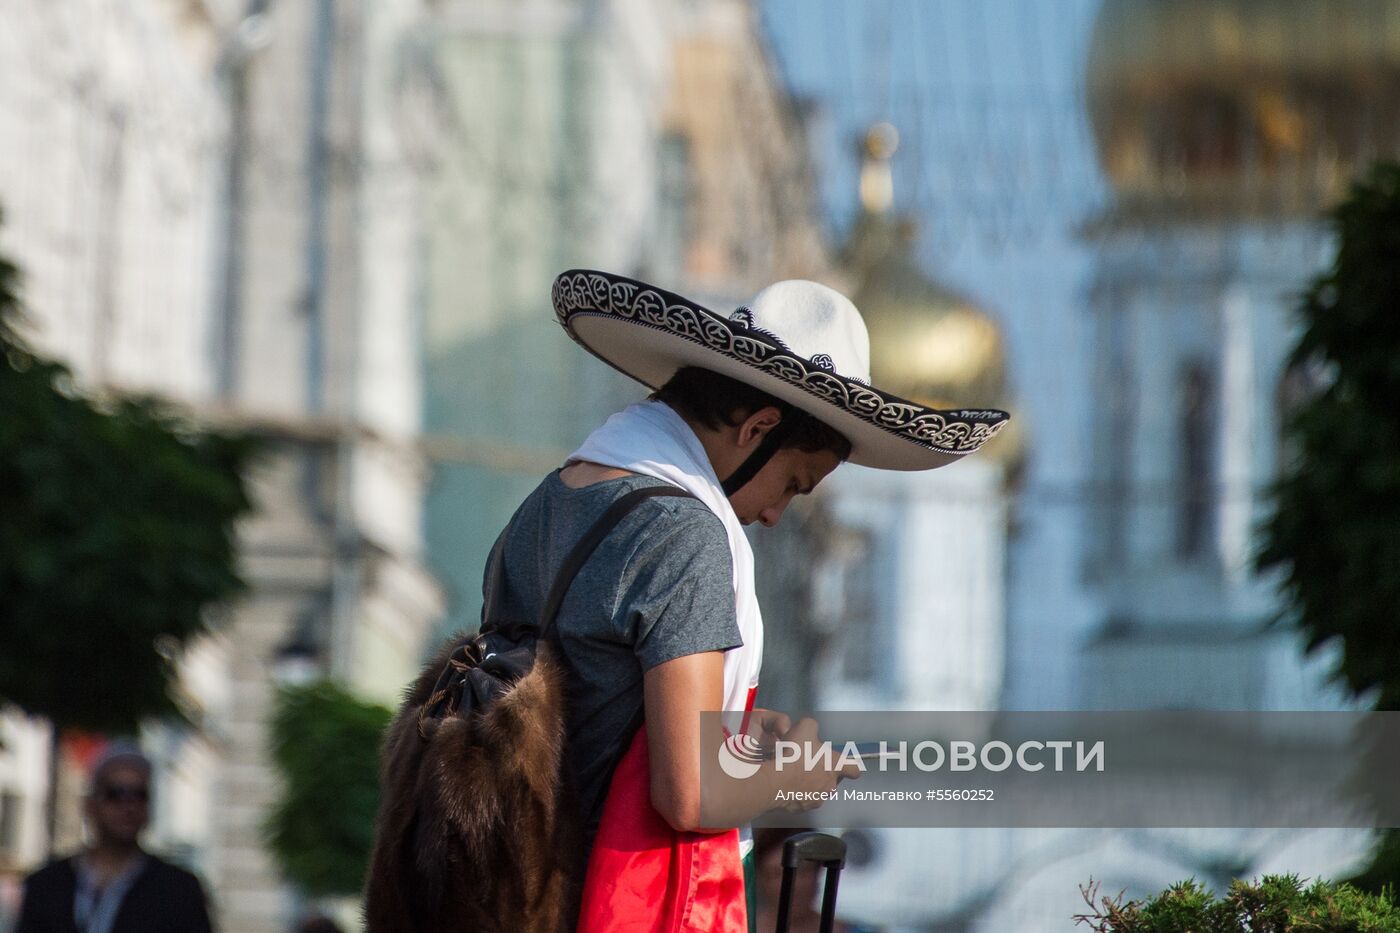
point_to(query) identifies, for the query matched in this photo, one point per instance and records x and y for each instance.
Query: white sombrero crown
(815, 322)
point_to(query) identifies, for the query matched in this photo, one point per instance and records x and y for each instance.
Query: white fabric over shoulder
(650, 439)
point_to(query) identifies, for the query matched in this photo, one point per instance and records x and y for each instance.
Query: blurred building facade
(195, 191)
(111, 121)
(324, 221)
(647, 138)
(920, 570)
(911, 585)
(1225, 128)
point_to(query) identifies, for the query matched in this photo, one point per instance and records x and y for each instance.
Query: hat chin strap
(764, 452)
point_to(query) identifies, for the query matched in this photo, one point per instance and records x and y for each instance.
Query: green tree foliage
(326, 745)
(1273, 904)
(116, 535)
(1335, 529)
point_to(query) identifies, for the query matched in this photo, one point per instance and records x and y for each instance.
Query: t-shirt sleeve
(676, 596)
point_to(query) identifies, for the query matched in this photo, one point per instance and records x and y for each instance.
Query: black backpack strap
(590, 541)
(577, 558)
(505, 664)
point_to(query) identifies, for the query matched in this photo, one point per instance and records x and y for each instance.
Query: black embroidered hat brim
(648, 333)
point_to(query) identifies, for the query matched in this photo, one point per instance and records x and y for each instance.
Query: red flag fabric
(645, 877)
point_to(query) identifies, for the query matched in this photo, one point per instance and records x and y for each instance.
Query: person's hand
(767, 726)
(808, 783)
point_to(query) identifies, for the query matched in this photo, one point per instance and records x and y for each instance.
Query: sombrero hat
(799, 341)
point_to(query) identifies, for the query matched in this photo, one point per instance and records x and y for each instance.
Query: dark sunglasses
(118, 793)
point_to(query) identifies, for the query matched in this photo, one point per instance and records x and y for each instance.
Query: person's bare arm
(676, 693)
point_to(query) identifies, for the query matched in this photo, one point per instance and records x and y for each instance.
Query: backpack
(477, 828)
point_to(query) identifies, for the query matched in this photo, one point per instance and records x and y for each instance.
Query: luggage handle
(827, 850)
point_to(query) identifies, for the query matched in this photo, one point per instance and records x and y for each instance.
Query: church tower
(1224, 128)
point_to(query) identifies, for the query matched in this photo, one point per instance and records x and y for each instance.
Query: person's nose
(769, 516)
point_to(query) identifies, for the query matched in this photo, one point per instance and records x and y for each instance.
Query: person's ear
(756, 425)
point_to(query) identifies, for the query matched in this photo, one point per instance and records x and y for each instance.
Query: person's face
(790, 472)
(119, 807)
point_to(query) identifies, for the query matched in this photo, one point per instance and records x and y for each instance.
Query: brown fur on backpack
(476, 831)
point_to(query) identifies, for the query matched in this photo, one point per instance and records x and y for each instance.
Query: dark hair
(715, 400)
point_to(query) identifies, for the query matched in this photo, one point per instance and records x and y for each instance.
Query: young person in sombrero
(748, 410)
(654, 625)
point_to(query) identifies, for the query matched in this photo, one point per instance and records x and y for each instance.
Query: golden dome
(1238, 108)
(927, 344)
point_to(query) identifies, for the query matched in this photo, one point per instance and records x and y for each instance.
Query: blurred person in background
(114, 886)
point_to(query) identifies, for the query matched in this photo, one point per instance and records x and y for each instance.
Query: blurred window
(1109, 507)
(864, 644)
(1195, 487)
(673, 207)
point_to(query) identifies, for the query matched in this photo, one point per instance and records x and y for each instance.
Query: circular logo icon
(740, 756)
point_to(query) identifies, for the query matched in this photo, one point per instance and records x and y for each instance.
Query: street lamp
(298, 661)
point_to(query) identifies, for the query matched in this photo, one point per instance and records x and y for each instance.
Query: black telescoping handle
(828, 851)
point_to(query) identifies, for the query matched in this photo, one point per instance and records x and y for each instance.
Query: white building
(218, 202)
(912, 587)
(1224, 129)
(920, 564)
(110, 123)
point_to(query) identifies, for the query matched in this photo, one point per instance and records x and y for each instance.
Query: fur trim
(476, 830)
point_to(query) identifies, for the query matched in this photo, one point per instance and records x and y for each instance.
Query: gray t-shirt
(658, 587)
